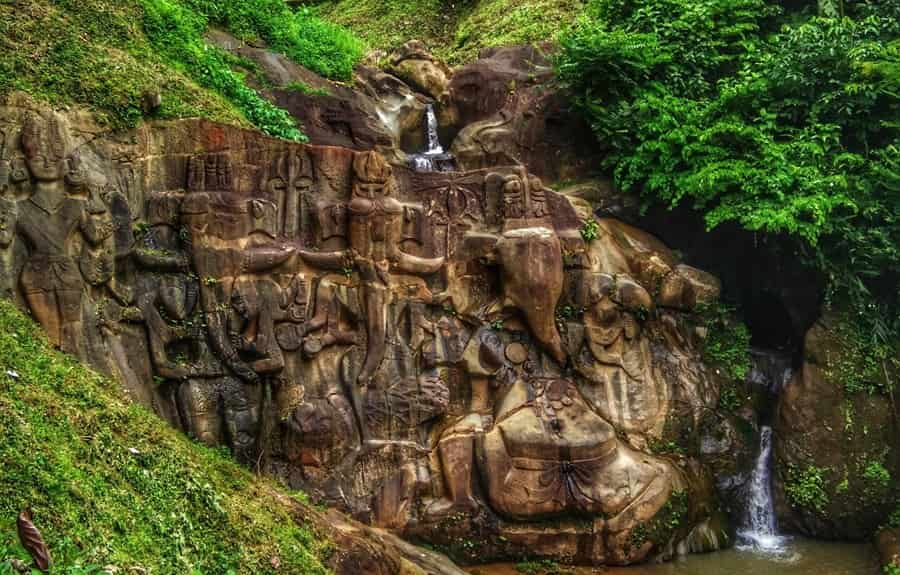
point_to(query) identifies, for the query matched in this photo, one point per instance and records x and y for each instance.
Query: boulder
(416, 66)
(834, 456)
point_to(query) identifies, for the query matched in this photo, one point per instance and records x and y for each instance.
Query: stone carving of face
(44, 144)
(373, 176)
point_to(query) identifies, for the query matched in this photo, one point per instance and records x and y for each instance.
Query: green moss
(508, 22)
(660, 529)
(857, 360)
(877, 475)
(111, 484)
(307, 89)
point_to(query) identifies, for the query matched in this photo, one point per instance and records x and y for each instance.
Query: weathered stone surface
(440, 354)
(888, 543)
(823, 431)
(502, 109)
(414, 64)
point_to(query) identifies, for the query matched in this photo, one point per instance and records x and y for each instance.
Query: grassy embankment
(111, 484)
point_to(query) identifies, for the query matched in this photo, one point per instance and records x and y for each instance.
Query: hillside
(117, 57)
(111, 484)
(456, 31)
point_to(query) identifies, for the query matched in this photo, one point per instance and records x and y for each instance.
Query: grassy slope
(456, 31)
(67, 449)
(104, 54)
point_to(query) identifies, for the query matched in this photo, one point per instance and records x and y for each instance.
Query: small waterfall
(434, 158)
(759, 531)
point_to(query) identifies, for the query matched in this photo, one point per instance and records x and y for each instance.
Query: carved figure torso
(548, 419)
(375, 226)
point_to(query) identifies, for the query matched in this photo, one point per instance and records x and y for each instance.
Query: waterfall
(759, 531)
(433, 159)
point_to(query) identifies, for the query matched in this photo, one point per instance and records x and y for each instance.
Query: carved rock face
(410, 347)
(45, 147)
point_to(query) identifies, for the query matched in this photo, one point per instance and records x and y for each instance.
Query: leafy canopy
(785, 123)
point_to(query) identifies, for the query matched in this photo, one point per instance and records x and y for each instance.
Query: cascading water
(434, 158)
(759, 531)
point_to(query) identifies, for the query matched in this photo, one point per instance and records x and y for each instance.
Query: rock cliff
(458, 357)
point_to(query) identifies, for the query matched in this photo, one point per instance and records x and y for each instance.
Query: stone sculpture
(413, 348)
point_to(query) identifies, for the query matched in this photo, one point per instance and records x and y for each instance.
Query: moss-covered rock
(836, 450)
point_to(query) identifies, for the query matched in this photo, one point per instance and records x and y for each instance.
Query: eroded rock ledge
(457, 357)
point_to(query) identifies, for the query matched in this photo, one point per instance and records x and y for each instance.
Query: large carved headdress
(45, 135)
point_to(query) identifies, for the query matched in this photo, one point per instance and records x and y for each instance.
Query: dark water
(799, 557)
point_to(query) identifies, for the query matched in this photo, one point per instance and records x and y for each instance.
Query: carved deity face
(373, 176)
(45, 145)
(370, 191)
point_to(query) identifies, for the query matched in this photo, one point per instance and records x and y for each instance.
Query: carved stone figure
(47, 222)
(440, 354)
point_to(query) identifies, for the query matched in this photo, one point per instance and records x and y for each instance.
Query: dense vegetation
(779, 119)
(107, 54)
(456, 31)
(111, 484)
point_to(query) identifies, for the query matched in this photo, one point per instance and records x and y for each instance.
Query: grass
(456, 31)
(106, 54)
(111, 484)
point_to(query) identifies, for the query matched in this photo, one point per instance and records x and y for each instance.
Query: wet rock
(888, 543)
(414, 64)
(831, 447)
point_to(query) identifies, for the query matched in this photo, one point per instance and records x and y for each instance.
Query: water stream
(433, 158)
(759, 532)
(760, 549)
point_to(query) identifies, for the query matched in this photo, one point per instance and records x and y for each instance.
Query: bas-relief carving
(390, 341)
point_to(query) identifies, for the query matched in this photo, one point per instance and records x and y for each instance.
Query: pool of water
(796, 557)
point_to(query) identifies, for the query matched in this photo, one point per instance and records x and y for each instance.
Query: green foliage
(106, 55)
(876, 473)
(300, 34)
(783, 125)
(456, 31)
(112, 484)
(590, 230)
(805, 488)
(894, 519)
(859, 358)
(727, 341)
(304, 88)
(177, 34)
(664, 524)
(729, 399)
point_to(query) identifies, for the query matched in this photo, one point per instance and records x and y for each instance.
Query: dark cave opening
(762, 276)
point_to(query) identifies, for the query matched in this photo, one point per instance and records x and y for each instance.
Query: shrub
(783, 123)
(805, 488)
(727, 342)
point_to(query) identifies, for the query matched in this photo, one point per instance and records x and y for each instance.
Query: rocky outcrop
(414, 64)
(504, 109)
(456, 357)
(835, 451)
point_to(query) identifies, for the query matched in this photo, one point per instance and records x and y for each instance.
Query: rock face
(503, 109)
(835, 452)
(440, 354)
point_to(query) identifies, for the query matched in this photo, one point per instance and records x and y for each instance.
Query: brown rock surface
(439, 354)
(823, 431)
(504, 109)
